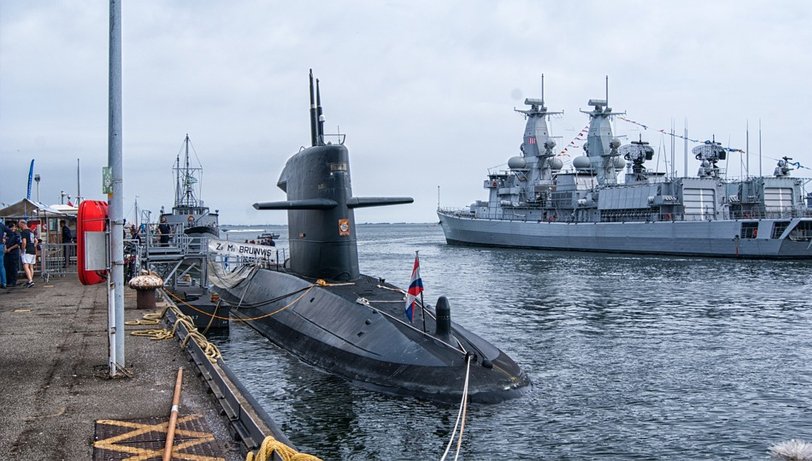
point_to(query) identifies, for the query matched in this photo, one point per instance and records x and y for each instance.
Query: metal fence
(57, 259)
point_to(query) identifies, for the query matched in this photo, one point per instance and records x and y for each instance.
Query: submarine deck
(53, 354)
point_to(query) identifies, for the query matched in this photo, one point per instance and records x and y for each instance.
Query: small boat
(318, 306)
(267, 238)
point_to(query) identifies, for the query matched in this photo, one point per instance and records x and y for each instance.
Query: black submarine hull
(352, 330)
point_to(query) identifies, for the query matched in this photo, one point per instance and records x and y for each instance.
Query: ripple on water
(631, 357)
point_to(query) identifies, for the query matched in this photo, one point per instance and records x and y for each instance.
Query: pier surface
(53, 374)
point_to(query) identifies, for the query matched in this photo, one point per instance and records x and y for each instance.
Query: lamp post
(36, 179)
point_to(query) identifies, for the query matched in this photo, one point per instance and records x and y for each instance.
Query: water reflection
(631, 357)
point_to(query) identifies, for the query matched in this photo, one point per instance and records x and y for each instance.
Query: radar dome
(555, 163)
(517, 163)
(619, 163)
(581, 163)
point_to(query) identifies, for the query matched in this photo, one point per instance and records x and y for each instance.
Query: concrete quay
(53, 374)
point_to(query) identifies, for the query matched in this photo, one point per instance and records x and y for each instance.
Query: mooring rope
(209, 349)
(214, 315)
(270, 446)
(460, 415)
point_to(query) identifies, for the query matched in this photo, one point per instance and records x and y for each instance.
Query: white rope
(460, 415)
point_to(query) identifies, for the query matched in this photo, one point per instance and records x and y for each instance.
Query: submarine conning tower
(321, 221)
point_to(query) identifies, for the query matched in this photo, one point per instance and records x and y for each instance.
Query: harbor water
(631, 357)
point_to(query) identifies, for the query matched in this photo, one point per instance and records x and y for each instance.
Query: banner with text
(245, 250)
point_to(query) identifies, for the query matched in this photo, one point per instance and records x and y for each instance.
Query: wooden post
(173, 417)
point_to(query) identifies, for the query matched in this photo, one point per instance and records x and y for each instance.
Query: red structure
(92, 218)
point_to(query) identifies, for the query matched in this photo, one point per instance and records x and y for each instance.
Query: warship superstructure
(318, 305)
(189, 213)
(534, 204)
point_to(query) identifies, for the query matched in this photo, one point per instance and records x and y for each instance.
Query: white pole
(685, 146)
(747, 149)
(759, 148)
(116, 197)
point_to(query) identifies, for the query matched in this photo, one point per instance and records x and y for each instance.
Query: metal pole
(685, 147)
(116, 198)
(78, 184)
(173, 417)
(747, 149)
(759, 148)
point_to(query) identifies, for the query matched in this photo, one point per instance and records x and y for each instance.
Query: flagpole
(422, 305)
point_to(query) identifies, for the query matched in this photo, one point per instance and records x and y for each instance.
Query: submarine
(320, 308)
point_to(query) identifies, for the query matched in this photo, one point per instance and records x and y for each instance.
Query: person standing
(11, 258)
(3, 231)
(164, 230)
(67, 239)
(28, 255)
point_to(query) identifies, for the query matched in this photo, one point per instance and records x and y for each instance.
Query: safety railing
(57, 259)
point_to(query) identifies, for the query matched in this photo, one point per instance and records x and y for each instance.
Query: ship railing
(785, 213)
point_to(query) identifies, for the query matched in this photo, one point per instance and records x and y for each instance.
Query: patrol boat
(534, 204)
(318, 306)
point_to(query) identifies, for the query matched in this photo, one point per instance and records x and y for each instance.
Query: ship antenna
(177, 179)
(542, 90)
(188, 192)
(607, 91)
(313, 137)
(319, 115)
(759, 147)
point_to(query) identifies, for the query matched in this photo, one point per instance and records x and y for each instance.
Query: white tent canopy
(26, 208)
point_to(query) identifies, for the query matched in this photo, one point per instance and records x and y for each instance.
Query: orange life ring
(92, 217)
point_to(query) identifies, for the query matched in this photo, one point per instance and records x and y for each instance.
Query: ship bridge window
(749, 230)
(778, 228)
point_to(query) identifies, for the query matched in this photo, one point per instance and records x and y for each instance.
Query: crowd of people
(19, 245)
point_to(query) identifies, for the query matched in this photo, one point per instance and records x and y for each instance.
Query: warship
(317, 305)
(189, 213)
(535, 204)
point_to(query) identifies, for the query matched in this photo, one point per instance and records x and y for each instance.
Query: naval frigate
(535, 204)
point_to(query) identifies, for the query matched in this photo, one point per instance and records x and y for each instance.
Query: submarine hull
(353, 330)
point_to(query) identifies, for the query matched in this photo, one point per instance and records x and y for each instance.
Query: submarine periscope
(319, 307)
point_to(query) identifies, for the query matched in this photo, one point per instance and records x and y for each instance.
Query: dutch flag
(415, 288)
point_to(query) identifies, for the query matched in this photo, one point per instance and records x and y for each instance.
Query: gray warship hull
(534, 204)
(720, 238)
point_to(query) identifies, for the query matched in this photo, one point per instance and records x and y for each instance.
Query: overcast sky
(424, 90)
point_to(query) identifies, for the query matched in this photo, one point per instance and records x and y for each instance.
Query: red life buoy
(755, 232)
(666, 216)
(92, 217)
